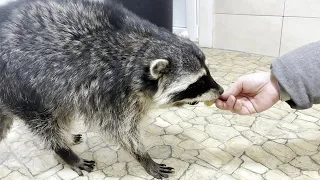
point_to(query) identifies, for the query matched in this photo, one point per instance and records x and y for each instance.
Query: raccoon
(60, 59)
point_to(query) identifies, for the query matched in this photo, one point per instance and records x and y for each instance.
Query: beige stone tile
(116, 170)
(244, 174)
(305, 163)
(303, 177)
(96, 175)
(200, 142)
(282, 152)
(237, 145)
(302, 147)
(221, 133)
(105, 157)
(160, 152)
(186, 114)
(129, 177)
(195, 134)
(4, 171)
(255, 138)
(289, 170)
(155, 130)
(306, 124)
(161, 123)
(218, 119)
(258, 154)
(276, 175)
(232, 166)
(174, 129)
(67, 173)
(226, 177)
(312, 174)
(190, 144)
(210, 158)
(135, 169)
(179, 167)
(198, 172)
(16, 175)
(242, 120)
(253, 166)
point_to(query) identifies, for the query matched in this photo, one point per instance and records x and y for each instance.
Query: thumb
(234, 90)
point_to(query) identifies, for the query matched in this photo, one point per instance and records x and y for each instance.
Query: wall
(268, 27)
(179, 13)
(3, 2)
(179, 16)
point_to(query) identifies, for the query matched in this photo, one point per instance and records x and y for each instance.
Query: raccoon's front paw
(83, 165)
(159, 171)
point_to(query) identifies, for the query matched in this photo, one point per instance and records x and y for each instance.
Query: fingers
(221, 104)
(237, 107)
(249, 94)
(226, 105)
(234, 105)
(230, 102)
(234, 90)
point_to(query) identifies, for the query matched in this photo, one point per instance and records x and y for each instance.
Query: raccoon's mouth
(193, 103)
(181, 103)
(178, 104)
(209, 97)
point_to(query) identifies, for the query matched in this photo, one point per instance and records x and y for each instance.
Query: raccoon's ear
(158, 67)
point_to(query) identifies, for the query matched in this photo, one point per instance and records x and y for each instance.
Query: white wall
(180, 17)
(268, 27)
(3, 2)
(179, 14)
(301, 24)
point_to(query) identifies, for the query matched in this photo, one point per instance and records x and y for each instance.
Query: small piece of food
(208, 103)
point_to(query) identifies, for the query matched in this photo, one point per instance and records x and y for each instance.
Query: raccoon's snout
(204, 89)
(221, 90)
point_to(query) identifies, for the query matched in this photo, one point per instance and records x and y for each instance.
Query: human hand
(250, 94)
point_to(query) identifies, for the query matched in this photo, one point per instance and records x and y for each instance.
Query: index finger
(234, 90)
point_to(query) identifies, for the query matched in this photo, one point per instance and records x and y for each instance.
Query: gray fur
(61, 59)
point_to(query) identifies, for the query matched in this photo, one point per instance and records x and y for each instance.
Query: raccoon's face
(183, 77)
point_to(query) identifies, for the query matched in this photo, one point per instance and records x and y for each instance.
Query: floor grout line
(19, 161)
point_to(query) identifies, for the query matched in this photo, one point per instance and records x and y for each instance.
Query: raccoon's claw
(77, 138)
(88, 166)
(160, 171)
(83, 165)
(165, 169)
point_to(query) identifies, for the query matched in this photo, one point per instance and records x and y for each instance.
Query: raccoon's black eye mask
(194, 90)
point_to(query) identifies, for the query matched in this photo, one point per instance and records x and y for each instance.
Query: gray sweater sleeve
(298, 74)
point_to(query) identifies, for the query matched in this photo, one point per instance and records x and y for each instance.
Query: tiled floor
(199, 142)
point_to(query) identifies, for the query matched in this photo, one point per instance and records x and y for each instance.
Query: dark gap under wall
(159, 12)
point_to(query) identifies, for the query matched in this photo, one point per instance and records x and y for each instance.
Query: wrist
(276, 85)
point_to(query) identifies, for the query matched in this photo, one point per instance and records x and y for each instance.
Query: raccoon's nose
(220, 91)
